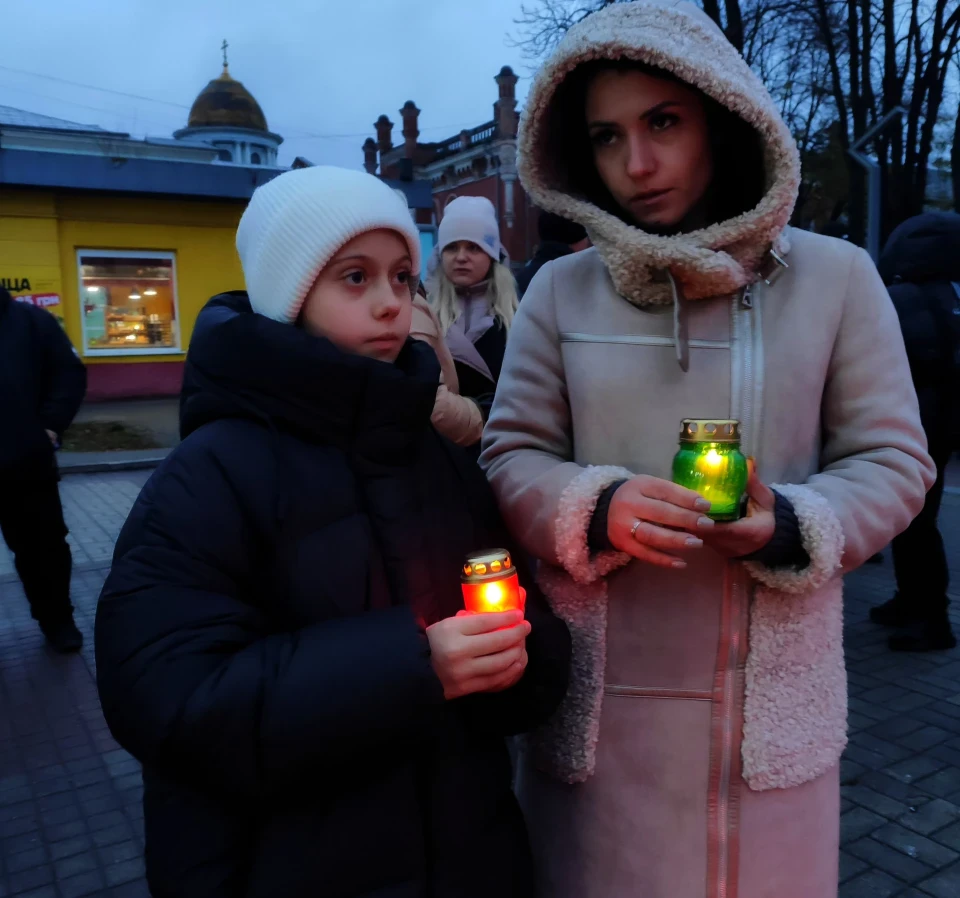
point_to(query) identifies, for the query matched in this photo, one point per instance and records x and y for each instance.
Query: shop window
(129, 302)
(255, 159)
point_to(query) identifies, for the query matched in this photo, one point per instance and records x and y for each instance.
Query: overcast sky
(322, 70)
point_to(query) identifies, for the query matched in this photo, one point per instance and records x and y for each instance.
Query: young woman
(280, 641)
(707, 712)
(474, 295)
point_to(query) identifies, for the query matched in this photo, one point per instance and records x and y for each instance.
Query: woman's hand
(750, 533)
(651, 519)
(479, 652)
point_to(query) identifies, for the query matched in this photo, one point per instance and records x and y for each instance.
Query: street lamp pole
(872, 168)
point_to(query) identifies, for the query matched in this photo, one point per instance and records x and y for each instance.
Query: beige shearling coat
(457, 417)
(696, 754)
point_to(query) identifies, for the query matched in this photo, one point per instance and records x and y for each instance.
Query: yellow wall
(29, 242)
(41, 231)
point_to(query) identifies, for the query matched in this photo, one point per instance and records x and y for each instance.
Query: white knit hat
(471, 218)
(297, 222)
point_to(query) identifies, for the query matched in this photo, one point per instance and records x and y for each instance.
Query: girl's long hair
(502, 292)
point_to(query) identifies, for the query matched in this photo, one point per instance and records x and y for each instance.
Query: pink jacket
(696, 754)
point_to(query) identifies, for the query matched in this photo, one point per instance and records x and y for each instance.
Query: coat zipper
(733, 634)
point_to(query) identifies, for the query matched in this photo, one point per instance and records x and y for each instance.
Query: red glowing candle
(490, 582)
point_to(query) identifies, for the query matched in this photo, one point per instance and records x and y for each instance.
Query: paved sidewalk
(109, 462)
(70, 817)
(900, 824)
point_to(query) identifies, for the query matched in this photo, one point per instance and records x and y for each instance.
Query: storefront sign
(15, 285)
(43, 300)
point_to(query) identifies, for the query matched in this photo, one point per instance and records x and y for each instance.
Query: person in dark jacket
(558, 237)
(921, 266)
(42, 383)
(280, 640)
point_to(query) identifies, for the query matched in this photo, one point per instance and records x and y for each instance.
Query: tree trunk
(955, 162)
(858, 192)
(734, 30)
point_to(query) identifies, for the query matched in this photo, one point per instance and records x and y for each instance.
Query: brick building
(480, 161)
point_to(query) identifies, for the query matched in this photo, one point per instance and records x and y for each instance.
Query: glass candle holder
(489, 582)
(710, 462)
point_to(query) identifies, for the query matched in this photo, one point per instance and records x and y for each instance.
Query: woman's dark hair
(739, 177)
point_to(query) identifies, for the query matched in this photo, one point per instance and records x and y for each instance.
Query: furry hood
(717, 260)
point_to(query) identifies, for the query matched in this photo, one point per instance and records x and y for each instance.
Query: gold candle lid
(694, 430)
(490, 564)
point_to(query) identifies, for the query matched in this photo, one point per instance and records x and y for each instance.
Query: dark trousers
(919, 561)
(31, 520)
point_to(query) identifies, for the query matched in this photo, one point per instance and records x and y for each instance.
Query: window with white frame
(128, 302)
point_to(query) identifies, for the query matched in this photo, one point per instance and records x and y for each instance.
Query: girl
(278, 641)
(474, 295)
(705, 722)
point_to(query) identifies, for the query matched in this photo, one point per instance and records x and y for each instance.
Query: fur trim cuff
(566, 746)
(795, 708)
(822, 539)
(574, 512)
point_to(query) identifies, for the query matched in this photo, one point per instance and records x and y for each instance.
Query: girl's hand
(750, 533)
(652, 519)
(479, 652)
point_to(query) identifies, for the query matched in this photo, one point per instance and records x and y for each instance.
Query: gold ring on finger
(635, 528)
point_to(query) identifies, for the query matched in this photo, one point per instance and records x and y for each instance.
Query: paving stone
(117, 854)
(25, 860)
(949, 836)
(858, 823)
(130, 890)
(874, 801)
(942, 784)
(945, 884)
(895, 727)
(70, 847)
(91, 883)
(124, 872)
(930, 817)
(925, 738)
(32, 878)
(916, 846)
(915, 768)
(851, 771)
(872, 884)
(72, 866)
(851, 866)
(907, 793)
(882, 857)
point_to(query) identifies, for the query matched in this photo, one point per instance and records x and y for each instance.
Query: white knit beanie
(471, 218)
(297, 222)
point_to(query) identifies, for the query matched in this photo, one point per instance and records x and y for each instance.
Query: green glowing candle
(711, 463)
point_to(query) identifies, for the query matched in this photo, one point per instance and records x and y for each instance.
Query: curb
(104, 467)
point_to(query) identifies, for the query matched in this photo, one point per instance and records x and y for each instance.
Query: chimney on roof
(370, 155)
(384, 134)
(411, 131)
(505, 109)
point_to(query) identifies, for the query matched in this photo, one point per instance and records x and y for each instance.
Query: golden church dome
(226, 103)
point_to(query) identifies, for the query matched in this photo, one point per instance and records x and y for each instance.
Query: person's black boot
(895, 613)
(63, 635)
(924, 636)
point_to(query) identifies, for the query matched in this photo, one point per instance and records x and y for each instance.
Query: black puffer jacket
(42, 382)
(260, 642)
(918, 264)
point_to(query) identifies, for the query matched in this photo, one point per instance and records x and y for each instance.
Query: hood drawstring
(681, 335)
